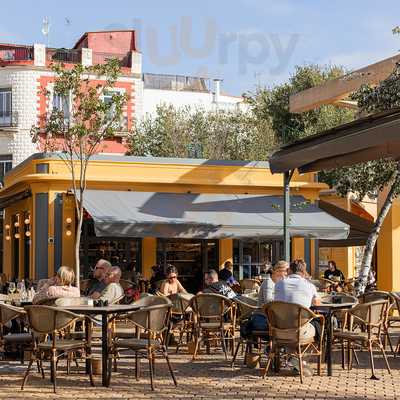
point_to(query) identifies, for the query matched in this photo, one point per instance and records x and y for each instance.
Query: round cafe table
(329, 305)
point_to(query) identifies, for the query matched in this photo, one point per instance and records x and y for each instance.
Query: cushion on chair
(357, 336)
(135, 344)
(63, 344)
(216, 325)
(18, 338)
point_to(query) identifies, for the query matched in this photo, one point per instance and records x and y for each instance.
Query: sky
(244, 42)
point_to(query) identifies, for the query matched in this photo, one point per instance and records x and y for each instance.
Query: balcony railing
(176, 82)
(102, 58)
(14, 53)
(8, 119)
(64, 56)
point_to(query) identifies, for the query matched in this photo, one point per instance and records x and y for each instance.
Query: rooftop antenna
(46, 29)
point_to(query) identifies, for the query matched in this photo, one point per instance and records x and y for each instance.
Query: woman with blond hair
(58, 286)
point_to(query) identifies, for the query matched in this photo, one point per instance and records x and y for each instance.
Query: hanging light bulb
(68, 220)
(68, 233)
(16, 224)
(8, 237)
(16, 236)
(7, 226)
(27, 221)
(28, 233)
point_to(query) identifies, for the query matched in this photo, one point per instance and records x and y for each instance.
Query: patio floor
(209, 377)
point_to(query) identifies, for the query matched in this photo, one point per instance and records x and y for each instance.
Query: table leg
(329, 335)
(87, 328)
(104, 349)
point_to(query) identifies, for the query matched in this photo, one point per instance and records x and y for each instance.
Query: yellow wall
(149, 255)
(225, 251)
(389, 251)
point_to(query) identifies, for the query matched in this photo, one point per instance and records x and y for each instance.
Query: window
(5, 166)
(5, 107)
(62, 103)
(107, 99)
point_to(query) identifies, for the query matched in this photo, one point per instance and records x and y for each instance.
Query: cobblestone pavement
(209, 377)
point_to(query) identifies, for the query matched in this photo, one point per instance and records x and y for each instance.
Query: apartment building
(25, 75)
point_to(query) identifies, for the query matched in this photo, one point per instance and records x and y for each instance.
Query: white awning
(206, 216)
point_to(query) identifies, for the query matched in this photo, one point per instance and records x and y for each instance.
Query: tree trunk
(78, 240)
(362, 280)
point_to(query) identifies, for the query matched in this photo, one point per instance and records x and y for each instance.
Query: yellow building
(39, 216)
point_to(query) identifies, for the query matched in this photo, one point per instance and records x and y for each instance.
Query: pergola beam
(338, 89)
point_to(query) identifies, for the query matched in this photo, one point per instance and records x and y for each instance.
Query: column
(225, 251)
(149, 255)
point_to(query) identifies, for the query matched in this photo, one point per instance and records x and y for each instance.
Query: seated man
(213, 285)
(113, 290)
(97, 283)
(299, 290)
(226, 274)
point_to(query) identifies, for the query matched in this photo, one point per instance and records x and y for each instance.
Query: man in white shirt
(296, 288)
(299, 290)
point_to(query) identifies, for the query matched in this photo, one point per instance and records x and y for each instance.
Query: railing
(8, 119)
(125, 60)
(13, 53)
(176, 82)
(64, 56)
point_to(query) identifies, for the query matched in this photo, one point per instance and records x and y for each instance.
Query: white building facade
(25, 76)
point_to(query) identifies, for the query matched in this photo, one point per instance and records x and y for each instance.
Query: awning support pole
(287, 176)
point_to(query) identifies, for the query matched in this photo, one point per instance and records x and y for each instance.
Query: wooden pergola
(336, 91)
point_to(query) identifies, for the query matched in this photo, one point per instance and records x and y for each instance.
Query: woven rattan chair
(21, 340)
(249, 284)
(377, 295)
(365, 330)
(395, 319)
(46, 320)
(182, 316)
(214, 318)
(154, 321)
(289, 327)
(246, 306)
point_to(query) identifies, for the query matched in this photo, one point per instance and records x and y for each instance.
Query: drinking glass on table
(11, 287)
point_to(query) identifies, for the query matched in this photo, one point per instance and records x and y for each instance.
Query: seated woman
(171, 285)
(267, 290)
(56, 287)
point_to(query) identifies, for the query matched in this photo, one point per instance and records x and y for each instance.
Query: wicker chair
(46, 320)
(395, 319)
(378, 295)
(246, 306)
(21, 340)
(154, 321)
(249, 285)
(214, 318)
(365, 329)
(182, 318)
(289, 327)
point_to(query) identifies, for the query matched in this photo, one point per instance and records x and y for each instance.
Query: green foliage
(273, 104)
(196, 133)
(371, 177)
